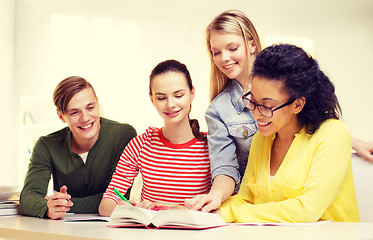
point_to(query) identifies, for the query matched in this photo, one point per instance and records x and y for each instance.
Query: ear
(192, 94)
(151, 98)
(60, 115)
(251, 45)
(299, 104)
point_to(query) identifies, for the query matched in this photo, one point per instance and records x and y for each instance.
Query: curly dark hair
(301, 77)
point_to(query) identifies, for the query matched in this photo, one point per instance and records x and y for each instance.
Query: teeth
(174, 112)
(89, 125)
(263, 123)
(229, 66)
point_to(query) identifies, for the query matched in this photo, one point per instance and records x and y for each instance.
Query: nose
(225, 56)
(170, 102)
(256, 113)
(84, 116)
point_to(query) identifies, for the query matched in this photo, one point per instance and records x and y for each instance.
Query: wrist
(47, 214)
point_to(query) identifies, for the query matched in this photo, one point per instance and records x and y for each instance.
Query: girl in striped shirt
(173, 160)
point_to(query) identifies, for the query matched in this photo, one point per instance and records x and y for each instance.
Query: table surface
(20, 227)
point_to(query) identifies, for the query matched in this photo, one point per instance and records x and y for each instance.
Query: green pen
(121, 195)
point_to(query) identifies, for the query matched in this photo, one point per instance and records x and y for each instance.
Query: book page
(187, 218)
(85, 218)
(125, 214)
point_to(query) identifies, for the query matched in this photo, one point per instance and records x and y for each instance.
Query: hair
(229, 22)
(301, 77)
(67, 89)
(177, 67)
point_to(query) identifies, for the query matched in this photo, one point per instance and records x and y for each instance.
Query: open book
(129, 216)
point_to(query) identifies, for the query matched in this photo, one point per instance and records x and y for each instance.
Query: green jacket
(86, 182)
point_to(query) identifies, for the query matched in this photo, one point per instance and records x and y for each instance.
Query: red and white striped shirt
(170, 172)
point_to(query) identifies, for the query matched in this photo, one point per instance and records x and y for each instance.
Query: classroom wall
(115, 43)
(8, 126)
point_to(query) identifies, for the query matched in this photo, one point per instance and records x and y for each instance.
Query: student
(233, 44)
(173, 160)
(299, 168)
(81, 157)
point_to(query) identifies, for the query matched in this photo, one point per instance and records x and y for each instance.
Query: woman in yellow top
(299, 168)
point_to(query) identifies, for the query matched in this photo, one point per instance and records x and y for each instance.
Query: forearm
(32, 204)
(106, 207)
(88, 205)
(32, 198)
(355, 143)
(363, 148)
(223, 187)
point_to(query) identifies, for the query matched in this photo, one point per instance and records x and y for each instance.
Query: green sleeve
(32, 201)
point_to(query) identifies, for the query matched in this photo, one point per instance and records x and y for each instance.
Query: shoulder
(331, 132)
(220, 105)
(149, 133)
(115, 134)
(332, 127)
(57, 136)
(222, 98)
(56, 141)
(113, 126)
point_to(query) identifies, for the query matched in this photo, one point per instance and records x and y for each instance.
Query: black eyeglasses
(265, 111)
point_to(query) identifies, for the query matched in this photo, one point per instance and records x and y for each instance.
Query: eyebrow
(228, 45)
(75, 109)
(264, 99)
(159, 93)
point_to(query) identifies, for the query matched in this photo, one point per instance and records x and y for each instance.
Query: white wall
(8, 159)
(114, 44)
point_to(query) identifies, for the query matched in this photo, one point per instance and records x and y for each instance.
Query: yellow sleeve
(244, 195)
(329, 160)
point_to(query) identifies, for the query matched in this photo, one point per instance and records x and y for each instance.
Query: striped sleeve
(127, 167)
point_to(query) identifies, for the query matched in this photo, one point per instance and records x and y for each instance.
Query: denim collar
(236, 96)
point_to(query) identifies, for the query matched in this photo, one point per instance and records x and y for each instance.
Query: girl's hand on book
(145, 204)
(122, 202)
(164, 206)
(204, 202)
(159, 205)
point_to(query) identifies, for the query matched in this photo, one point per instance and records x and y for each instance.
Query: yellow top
(314, 181)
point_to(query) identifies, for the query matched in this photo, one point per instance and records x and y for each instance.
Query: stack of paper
(8, 201)
(8, 208)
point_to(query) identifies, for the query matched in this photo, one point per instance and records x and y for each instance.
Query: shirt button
(245, 133)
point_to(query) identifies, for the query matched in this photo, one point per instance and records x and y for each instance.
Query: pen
(121, 195)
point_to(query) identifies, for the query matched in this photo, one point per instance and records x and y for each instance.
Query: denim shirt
(231, 127)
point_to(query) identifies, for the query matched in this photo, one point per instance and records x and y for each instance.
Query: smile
(263, 124)
(86, 126)
(230, 66)
(173, 113)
